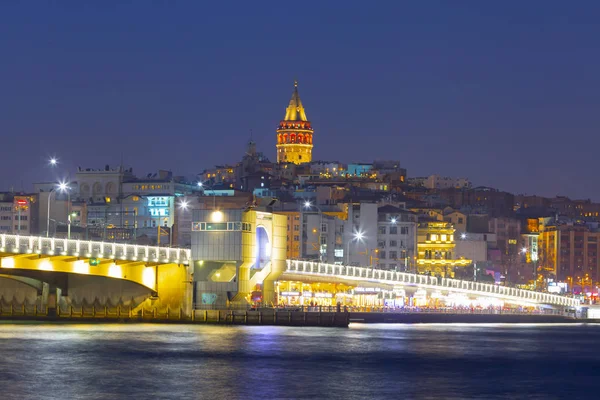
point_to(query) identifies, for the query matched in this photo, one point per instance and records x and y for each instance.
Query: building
(239, 254)
(315, 233)
(568, 253)
(444, 182)
(436, 250)
(295, 133)
(457, 219)
(380, 235)
(18, 213)
(508, 234)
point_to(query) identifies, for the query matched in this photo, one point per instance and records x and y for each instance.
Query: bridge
(163, 276)
(87, 271)
(307, 270)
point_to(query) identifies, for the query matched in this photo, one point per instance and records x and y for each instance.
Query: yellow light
(216, 216)
(8, 262)
(80, 267)
(46, 265)
(149, 277)
(114, 271)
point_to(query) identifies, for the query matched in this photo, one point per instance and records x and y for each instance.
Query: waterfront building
(568, 252)
(436, 249)
(238, 253)
(294, 133)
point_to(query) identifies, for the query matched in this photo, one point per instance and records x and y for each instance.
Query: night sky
(504, 93)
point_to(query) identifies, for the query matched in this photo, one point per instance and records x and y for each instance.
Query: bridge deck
(92, 249)
(342, 272)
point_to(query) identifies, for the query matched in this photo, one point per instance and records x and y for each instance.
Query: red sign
(22, 202)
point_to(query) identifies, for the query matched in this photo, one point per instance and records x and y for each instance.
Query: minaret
(294, 133)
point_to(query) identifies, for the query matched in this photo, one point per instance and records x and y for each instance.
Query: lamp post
(69, 224)
(202, 185)
(534, 262)
(463, 236)
(358, 236)
(62, 186)
(308, 205)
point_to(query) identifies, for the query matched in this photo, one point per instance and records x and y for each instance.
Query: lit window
(434, 237)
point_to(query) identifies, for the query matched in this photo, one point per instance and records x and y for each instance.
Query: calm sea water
(47, 361)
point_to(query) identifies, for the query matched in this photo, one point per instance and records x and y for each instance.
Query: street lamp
(73, 214)
(358, 236)
(62, 187)
(183, 205)
(308, 205)
(463, 237)
(202, 185)
(53, 161)
(524, 251)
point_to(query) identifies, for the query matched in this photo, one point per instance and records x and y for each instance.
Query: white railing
(93, 249)
(426, 281)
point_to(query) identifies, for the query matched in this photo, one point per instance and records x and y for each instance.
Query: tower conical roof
(295, 111)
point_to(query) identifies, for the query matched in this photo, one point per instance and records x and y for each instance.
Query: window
(393, 255)
(434, 237)
(296, 238)
(145, 224)
(382, 230)
(444, 238)
(393, 243)
(296, 227)
(153, 223)
(404, 230)
(381, 244)
(382, 255)
(460, 220)
(324, 228)
(393, 230)
(323, 240)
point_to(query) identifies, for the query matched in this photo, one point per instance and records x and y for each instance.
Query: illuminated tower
(294, 133)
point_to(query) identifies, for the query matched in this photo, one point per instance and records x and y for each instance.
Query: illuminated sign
(291, 294)
(22, 202)
(323, 295)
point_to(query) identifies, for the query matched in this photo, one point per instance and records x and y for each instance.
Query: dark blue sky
(504, 93)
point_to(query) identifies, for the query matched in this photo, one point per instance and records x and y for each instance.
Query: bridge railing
(393, 277)
(92, 249)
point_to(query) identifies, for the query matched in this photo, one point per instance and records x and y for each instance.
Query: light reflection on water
(56, 361)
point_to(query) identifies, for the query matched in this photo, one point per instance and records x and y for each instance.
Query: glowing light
(8, 262)
(63, 186)
(218, 274)
(53, 161)
(183, 205)
(46, 266)
(524, 250)
(394, 220)
(359, 235)
(463, 236)
(199, 184)
(114, 271)
(307, 204)
(216, 216)
(81, 267)
(149, 277)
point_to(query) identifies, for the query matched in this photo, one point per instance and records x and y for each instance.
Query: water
(49, 361)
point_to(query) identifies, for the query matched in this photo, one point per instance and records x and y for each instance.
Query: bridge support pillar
(50, 299)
